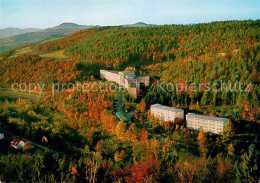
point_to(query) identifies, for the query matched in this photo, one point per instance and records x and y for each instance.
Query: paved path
(129, 115)
(119, 101)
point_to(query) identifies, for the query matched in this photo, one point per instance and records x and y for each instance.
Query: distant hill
(138, 24)
(35, 35)
(8, 32)
(63, 29)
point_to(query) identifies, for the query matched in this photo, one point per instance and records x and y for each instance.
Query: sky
(49, 13)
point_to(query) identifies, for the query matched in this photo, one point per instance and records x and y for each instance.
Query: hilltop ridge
(10, 40)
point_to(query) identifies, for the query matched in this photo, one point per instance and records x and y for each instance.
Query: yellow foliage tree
(130, 69)
(119, 156)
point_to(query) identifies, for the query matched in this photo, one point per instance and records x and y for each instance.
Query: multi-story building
(127, 80)
(166, 113)
(207, 123)
(145, 79)
(127, 77)
(110, 76)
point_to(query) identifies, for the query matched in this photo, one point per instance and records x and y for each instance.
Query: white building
(2, 136)
(207, 123)
(126, 79)
(110, 76)
(145, 79)
(166, 113)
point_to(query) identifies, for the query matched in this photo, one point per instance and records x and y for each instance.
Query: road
(128, 115)
(119, 101)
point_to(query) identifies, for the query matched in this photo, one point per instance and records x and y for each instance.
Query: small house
(17, 144)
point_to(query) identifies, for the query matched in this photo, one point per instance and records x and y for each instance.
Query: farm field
(58, 55)
(21, 51)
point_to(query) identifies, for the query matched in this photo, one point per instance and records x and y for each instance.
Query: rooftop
(116, 72)
(174, 109)
(16, 142)
(224, 120)
(128, 72)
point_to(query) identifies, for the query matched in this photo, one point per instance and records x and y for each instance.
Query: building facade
(165, 113)
(144, 79)
(207, 123)
(110, 76)
(126, 79)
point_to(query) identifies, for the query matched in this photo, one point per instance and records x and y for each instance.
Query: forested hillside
(61, 30)
(219, 52)
(87, 142)
(225, 50)
(4, 33)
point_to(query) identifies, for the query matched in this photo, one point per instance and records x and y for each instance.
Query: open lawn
(7, 93)
(49, 40)
(21, 51)
(57, 54)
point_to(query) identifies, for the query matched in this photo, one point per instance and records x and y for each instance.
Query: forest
(86, 140)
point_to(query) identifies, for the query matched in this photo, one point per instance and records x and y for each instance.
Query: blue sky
(49, 13)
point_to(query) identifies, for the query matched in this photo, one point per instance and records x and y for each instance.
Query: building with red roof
(17, 144)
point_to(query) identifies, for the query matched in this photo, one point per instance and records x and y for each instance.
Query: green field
(21, 51)
(49, 40)
(57, 54)
(7, 93)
